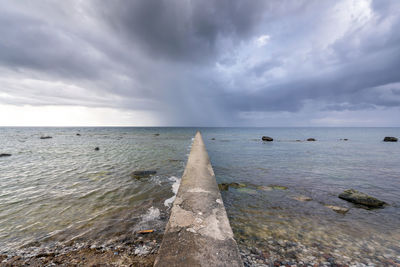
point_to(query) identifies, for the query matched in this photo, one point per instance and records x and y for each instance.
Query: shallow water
(61, 190)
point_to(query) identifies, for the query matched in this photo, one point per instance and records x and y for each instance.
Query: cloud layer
(226, 62)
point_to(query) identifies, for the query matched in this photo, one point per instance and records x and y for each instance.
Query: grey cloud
(162, 56)
(182, 30)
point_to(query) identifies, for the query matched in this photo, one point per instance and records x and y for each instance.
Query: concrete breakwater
(198, 232)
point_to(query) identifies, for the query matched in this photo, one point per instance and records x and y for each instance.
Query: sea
(60, 190)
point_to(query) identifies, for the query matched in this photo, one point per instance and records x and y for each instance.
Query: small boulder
(267, 139)
(390, 139)
(338, 209)
(97, 148)
(357, 197)
(223, 187)
(311, 139)
(156, 134)
(302, 198)
(46, 137)
(142, 174)
(78, 134)
(213, 138)
(5, 155)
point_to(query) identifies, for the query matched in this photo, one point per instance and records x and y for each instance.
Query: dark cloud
(182, 30)
(203, 62)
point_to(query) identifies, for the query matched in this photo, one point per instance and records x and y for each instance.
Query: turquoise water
(62, 190)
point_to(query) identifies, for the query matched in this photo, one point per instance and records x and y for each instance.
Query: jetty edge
(198, 232)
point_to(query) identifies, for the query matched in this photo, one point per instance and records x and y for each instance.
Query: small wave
(175, 187)
(151, 215)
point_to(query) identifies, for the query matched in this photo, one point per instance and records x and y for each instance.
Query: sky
(200, 63)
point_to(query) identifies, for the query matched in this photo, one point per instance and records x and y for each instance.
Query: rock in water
(302, 198)
(357, 197)
(271, 187)
(156, 134)
(390, 139)
(46, 137)
(311, 139)
(78, 134)
(267, 138)
(223, 187)
(237, 185)
(141, 174)
(338, 209)
(5, 155)
(97, 148)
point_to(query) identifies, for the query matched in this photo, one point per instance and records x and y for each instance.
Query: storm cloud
(226, 62)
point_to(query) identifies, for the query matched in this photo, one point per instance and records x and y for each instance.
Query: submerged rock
(390, 139)
(271, 187)
(213, 138)
(156, 134)
(142, 174)
(357, 197)
(311, 139)
(247, 190)
(302, 198)
(237, 185)
(46, 137)
(267, 138)
(338, 209)
(78, 134)
(223, 187)
(97, 148)
(5, 155)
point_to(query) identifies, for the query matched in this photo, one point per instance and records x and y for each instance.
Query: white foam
(175, 187)
(151, 215)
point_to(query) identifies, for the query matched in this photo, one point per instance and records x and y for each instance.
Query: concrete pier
(198, 232)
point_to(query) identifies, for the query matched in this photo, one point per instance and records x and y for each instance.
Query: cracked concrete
(198, 232)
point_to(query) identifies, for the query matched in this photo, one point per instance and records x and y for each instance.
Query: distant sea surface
(60, 190)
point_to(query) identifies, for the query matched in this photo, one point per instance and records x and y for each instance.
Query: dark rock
(390, 139)
(97, 148)
(223, 187)
(46, 137)
(311, 139)
(267, 138)
(5, 155)
(357, 197)
(213, 138)
(156, 134)
(142, 174)
(78, 134)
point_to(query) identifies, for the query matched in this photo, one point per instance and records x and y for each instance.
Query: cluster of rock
(350, 195)
(270, 139)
